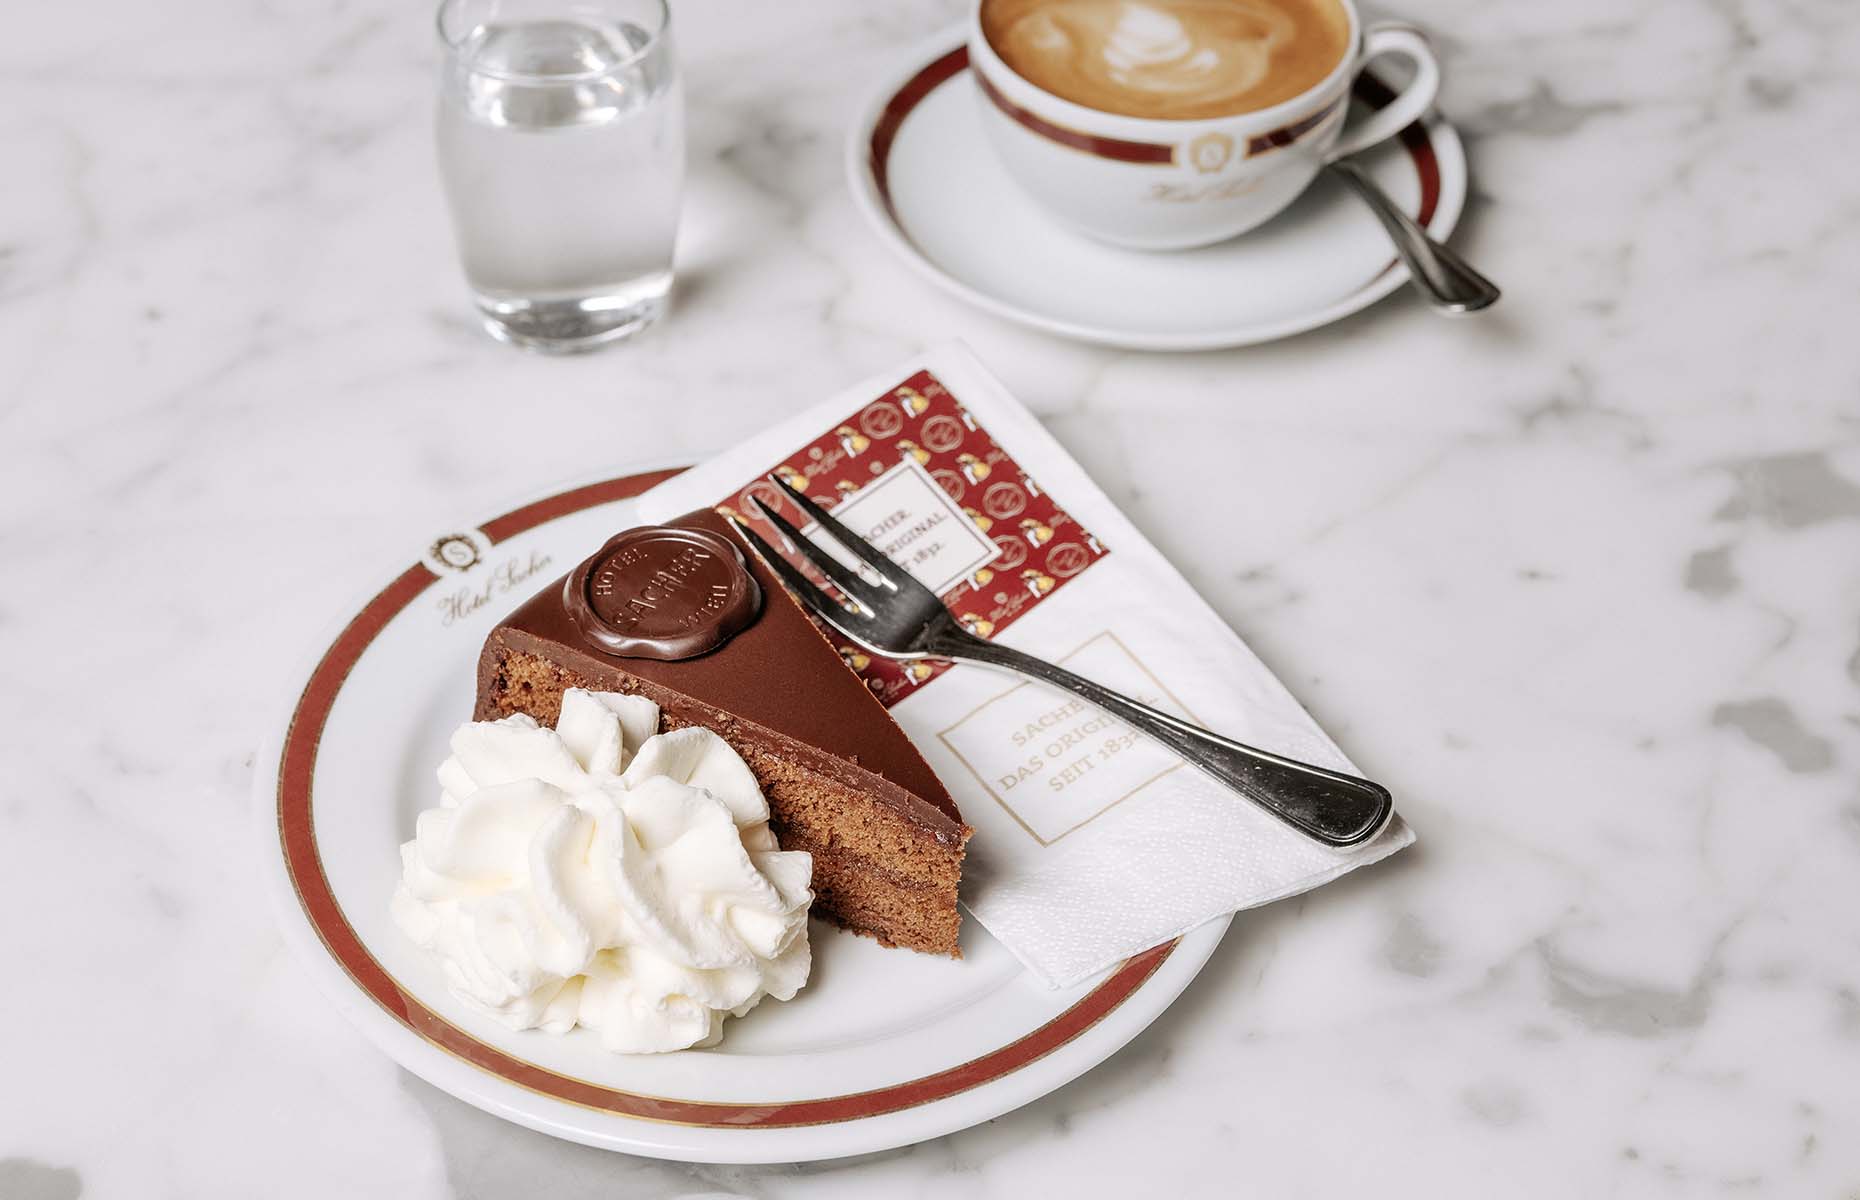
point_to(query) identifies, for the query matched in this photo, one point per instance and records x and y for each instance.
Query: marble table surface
(1580, 579)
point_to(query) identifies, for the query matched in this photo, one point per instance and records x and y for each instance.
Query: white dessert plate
(922, 172)
(882, 1048)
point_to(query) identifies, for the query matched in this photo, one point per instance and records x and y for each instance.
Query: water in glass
(562, 148)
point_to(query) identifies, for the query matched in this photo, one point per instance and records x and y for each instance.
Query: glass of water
(561, 145)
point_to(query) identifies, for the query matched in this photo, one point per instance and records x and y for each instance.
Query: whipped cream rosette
(600, 874)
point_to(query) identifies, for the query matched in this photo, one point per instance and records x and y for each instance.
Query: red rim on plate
(297, 834)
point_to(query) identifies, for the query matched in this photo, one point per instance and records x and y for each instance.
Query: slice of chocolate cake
(680, 615)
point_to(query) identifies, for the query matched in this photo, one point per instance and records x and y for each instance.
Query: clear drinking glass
(561, 145)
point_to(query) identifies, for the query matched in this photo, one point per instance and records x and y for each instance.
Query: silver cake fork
(898, 617)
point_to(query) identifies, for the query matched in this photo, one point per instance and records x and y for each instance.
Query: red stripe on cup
(1280, 138)
(1144, 153)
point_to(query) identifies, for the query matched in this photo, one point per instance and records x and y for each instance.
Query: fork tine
(847, 580)
(895, 577)
(804, 589)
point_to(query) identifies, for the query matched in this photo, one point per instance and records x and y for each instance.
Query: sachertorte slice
(680, 615)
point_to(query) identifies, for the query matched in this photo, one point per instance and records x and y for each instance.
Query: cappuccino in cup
(1168, 124)
(1176, 60)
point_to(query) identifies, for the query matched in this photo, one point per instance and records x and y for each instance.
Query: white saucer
(922, 172)
(881, 1048)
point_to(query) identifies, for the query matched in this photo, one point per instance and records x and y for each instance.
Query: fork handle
(1334, 808)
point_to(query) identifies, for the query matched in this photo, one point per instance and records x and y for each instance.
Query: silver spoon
(1446, 280)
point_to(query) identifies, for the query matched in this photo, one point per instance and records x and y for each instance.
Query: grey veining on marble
(1579, 579)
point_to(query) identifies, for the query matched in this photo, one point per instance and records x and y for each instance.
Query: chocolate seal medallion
(662, 592)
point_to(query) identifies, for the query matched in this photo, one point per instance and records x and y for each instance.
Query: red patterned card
(918, 476)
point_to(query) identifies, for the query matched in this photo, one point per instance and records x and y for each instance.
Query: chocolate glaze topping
(777, 679)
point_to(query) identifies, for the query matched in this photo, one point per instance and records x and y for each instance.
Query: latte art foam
(1169, 59)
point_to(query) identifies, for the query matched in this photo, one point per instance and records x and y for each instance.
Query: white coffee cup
(1158, 184)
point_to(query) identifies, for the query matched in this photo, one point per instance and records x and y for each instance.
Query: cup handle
(1407, 107)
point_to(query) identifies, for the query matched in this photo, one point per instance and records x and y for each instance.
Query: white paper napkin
(1092, 843)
